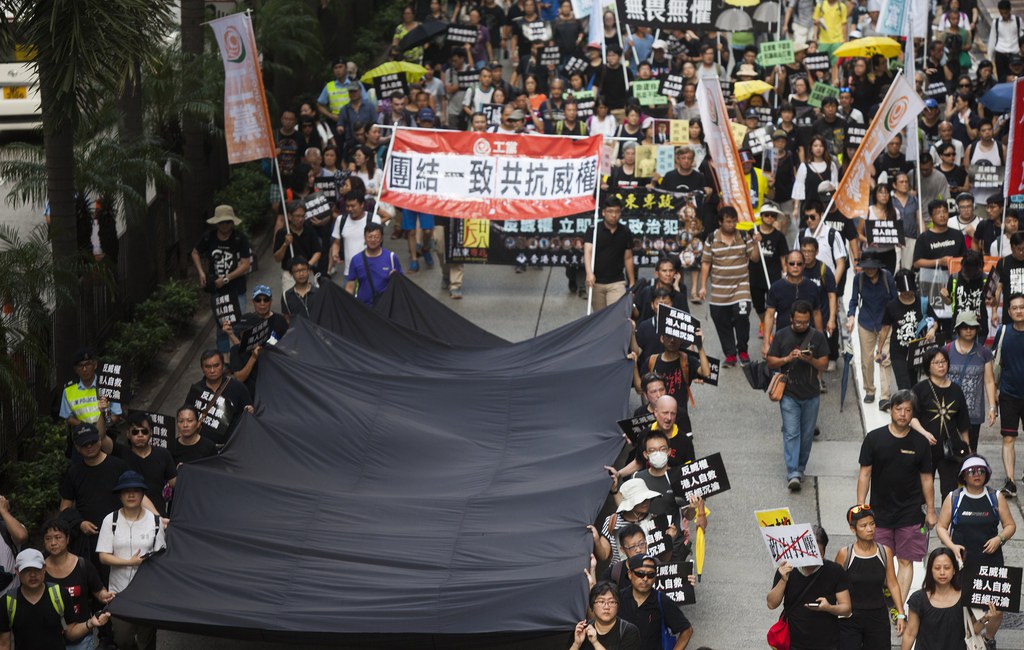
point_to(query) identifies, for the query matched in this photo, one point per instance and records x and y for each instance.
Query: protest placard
(493, 113)
(715, 367)
(804, 117)
(764, 116)
(774, 517)
(664, 161)
(999, 585)
(656, 14)
(461, 35)
(161, 426)
(388, 85)
(327, 186)
(776, 53)
(254, 336)
(679, 132)
(550, 55)
(794, 544)
(678, 324)
(575, 64)
(758, 140)
(915, 352)
(739, 131)
(673, 580)
(671, 86)
(467, 79)
(636, 426)
(820, 91)
(727, 90)
(986, 180)
(657, 541)
(113, 382)
(817, 62)
(218, 416)
(646, 160)
(317, 205)
(537, 31)
(225, 308)
(703, 477)
(609, 154)
(584, 103)
(855, 134)
(884, 233)
(936, 90)
(646, 93)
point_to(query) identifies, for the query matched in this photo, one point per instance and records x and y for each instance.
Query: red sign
(490, 175)
(1014, 186)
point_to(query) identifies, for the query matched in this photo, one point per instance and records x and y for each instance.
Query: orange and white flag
(246, 118)
(726, 157)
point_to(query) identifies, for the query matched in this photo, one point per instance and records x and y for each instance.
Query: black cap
(637, 561)
(83, 354)
(85, 434)
(1016, 59)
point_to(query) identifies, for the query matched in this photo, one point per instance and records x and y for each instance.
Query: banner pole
(284, 204)
(632, 46)
(593, 249)
(618, 35)
(384, 174)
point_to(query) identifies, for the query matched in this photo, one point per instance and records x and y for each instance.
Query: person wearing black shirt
(297, 240)
(243, 362)
(773, 253)
(1010, 271)
(667, 277)
(613, 256)
(892, 161)
(904, 318)
(942, 414)
(295, 301)
(606, 630)
(154, 463)
(933, 251)
(784, 293)
(683, 177)
(646, 334)
(647, 609)
(830, 126)
(229, 258)
(188, 445)
(612, 82)
(233, 393)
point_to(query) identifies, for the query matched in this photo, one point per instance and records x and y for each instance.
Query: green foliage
(368, 41)
(248, 193)
(173, 303)
(34, 481)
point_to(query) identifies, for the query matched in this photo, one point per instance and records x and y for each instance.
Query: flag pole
(384, 172)
(618, 35)
(593, 245)
(1008, 161)
(284, 206)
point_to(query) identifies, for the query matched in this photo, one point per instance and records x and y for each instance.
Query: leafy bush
(248, 192)
(367, 47)
(174, 303)
(34, 481)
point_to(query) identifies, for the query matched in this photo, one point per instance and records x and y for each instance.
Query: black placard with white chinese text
(218, 417)
(467, 79)
(657, 14)
(326, 186)
(113, 382)
(673, 580)
(575, 64)
(256, 335)
(936, 90)
(999, 585)
(317, 205)
(225, 308)
(855, 134)
(715, 366)
(884, 233)
(388, 85)
(461, 35)
(537, 31)
(817, 62)
(550, 55)
(671, 86)
(703, 477)
(677, 324)
(493, 113)
(657, 541)
(635, 427)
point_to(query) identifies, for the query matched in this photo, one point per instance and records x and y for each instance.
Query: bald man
(680, 443)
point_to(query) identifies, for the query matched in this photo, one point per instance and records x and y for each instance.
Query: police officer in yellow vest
(756, 181)
(334, 96)
(79, 403)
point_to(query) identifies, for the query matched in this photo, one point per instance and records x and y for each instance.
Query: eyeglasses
(636, 547)
(605, 602)
(261, 299)
(963, 85)
(974, 471)
(644, 575)
(139, 432)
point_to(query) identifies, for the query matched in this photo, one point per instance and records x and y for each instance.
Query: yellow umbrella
(870, 46)
(413, 72)
(746, 89)
(699, 547)
(743, 3)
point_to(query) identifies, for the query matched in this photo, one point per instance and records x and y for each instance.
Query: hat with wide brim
(130, 480)
(634, 492)
(223, 213)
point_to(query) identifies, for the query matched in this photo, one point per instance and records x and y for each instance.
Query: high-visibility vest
(56, 599)
(337, 97)
(83, 402)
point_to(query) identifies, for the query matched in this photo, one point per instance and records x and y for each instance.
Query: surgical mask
(658, 459)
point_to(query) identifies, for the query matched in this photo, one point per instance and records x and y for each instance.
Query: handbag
(668, 640)
(972, 641)
(777, 386)
(778, 633)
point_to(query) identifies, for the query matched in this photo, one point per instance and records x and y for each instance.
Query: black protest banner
(161, 426)
(225, 308)
(804, 116)
(656, 221)
(256, 335)
(493, 113)
(326, 186)
(113, 382)
(388, 85)
(677, 324)
(635, 427)
(999, 585)
(575, 64)
(467, 79)
(884, 233)
(986, 176)
(585, 100)
(656, 14)
(317, 205)
(672, 86)
(460, 35)
(715, 368)
(855, 134)
(657, 541)
(219, 412)
(817, 62)
(703, 477)
(550, 55)
(727, 90)
(673, 580)
(936, 90)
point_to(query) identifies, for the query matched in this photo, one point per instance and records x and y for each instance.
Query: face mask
(658, 459)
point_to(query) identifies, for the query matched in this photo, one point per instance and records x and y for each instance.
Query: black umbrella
(847, 345)
(758, 375)
(421, 34)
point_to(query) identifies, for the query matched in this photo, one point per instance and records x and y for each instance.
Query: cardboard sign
(550, 55)
(162, 427)
(820, 91)
(817, 62)
(739, 131)
(776, 53)
(225, 308)
(218, 416)
(493, 113)
(317, 205)
(671, 86)
(794, 544)
(657, 541)
(991, 584)
(388, 85)
(646, 93)
(575, 64)
(609, 154)
(646, 160)
(664, 161)
(113, 382)
(774, 517)
(703, 477)
(537, 31)
(679, 132)
(326, 186)
(256, 335)
(673, 580)
(936, 90)
(461, 35)
(677, 323)
(585, 100)
(467, 79)
(884, 233)
(635, 427)
(715, 368)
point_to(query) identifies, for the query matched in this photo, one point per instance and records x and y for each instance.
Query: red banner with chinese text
(1013, 188)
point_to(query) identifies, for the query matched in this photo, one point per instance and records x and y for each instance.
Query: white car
(19, 91)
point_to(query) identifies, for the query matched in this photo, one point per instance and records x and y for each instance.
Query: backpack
(156, 526)
(886, 278)
(52, 590)
(957, 495)
(880, 554)
(685, 368)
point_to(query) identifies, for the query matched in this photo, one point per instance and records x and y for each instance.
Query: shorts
(907, 542)
(1011, 412)
(409, 220)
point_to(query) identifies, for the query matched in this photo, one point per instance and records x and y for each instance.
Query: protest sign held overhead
(671, 86)
(773, 517)
(881, 233)
(776, 53)
(113, 382)
(328, 187)
(490, 175)
(999, 585)
(678, 324)
(673, 580)
(647, 93)
(814, 62)
(388, 85)
(820, 91)
(703, 477)
(656, 14)
(461, 35)
(225, 308)
(317, 205)
(794, 544)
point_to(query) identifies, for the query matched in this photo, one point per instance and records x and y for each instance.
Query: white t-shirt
(146, 535)
(352, 238)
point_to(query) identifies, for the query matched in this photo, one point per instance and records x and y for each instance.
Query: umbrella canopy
(413, 72)
(870, 46)
(999, 98)
(742, 3)
(745, 89)
(421, 34)
(758, 375)
(734, 20)
(699, 548)
(768, 12)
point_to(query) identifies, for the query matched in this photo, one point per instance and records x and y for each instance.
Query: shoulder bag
(778, 634)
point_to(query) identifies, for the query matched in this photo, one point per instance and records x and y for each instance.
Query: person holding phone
(605, 630)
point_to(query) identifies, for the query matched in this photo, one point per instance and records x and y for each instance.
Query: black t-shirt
(941, 627)
(676, 382)
(1011, 278)
(673, 181)
(803, 378)
(956, 177)
(36, 626)
(237, 395)
(773, 249)
(77, 589)
(825, 280)
(188, 453)
(620, 180)
(933, 246)
(290, 150)
(896, 467)
(92, 488)
(647, 617)
(295, 305)
(306, 244)
(811, 628)
(784, 293)
(156, 469)
(223, 257)
(942, 411)
(648, 339)
(609, 258)
(622, 636)
(666, 503)
(904, 321)
(891, 165)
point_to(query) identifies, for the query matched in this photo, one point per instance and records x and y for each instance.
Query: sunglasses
(139, 432)
(644, 575)
(261, 299)
(974, 471)
(795, 263)
(856, 510)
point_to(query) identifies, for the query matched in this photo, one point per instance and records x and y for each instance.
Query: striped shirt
(729, 277)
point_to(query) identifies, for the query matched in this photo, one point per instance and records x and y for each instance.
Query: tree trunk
(193, 188)
(137, 252)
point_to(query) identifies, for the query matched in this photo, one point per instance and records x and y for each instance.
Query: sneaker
(455, 294)
(1009, 488)
(582, 293)
(794, 484)
(445, 283)
(428, 258)
(730, 361)
(414, 266)
(824, 388)
(990, 644)
(744, 359)
(831, 364)
(817, 432)
(869, 398)
(883, 405)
